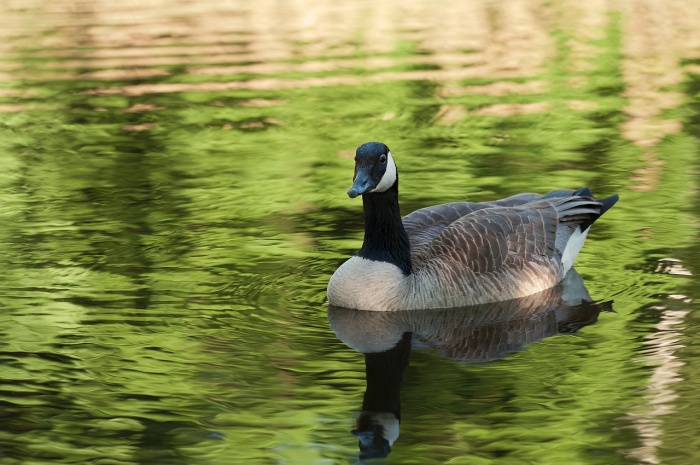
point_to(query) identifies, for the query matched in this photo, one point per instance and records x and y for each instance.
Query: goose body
(459, 253)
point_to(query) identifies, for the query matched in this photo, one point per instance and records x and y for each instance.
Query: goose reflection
(466, 335)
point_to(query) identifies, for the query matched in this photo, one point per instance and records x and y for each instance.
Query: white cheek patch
(389, 177)
(390, 424)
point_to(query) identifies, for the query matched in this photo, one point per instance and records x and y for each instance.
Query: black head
(376, 433)
(375, 170)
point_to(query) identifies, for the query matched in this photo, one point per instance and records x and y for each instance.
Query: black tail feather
(605, 205)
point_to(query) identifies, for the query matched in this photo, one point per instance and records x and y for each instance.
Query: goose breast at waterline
(458, 253)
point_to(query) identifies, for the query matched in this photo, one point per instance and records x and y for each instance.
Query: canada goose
(458, 253)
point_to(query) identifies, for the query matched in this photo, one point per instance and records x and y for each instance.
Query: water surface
(172, 204)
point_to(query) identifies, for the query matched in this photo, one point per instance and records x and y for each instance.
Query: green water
(172, 204)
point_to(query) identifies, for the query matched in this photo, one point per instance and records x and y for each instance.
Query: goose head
(375, 170)
(376, 432)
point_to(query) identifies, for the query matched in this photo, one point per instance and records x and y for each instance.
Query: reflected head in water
(466, 335)
(377, 427)
(376, 432)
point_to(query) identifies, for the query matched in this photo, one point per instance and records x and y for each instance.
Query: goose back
(496, 253)
(424, 224)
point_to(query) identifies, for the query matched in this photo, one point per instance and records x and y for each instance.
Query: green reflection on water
(164, 257)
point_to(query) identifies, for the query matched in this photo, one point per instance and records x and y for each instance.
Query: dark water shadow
(465, 335)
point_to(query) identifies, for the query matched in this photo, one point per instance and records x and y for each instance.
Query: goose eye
(382, 158)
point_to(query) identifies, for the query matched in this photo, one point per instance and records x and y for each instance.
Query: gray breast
(368, 285)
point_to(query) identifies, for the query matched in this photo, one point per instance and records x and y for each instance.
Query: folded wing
(497, 253)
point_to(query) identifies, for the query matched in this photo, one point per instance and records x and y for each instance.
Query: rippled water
(172, 204)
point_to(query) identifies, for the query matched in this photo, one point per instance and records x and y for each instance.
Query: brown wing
(425, 224)
(493, 238)
(496, 237)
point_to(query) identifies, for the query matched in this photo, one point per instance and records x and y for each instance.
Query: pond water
(173, 181)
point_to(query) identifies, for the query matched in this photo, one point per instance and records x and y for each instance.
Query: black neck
(385, 237)
(384, 374)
